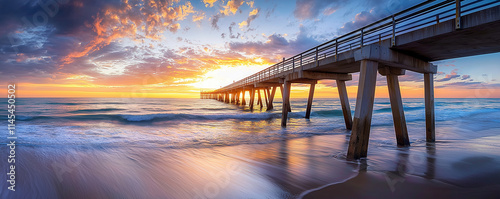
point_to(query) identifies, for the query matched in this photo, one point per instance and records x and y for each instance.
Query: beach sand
(311, 167)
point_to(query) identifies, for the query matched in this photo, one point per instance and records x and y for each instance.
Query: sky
(175, 49)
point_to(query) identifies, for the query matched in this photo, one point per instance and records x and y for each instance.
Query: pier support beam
(286, 103)
(397, 108)
(344, 102)
(236, 97)
(309, 101)
(271, 98)
(259, 102)
(430, 125)
(252, 98)
(266, 91)
(358, 144)
(282, 94)
(243, 102)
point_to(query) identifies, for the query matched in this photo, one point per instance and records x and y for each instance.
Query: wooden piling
(430, 125)
(397, 110)
(309, 101)
(286, 103)
(344, 102)
(358, 144)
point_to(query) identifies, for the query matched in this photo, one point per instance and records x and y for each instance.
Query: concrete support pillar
(430, 123)
(259, 102)
(237, 98)
(271, 98)
(309, 101)
(344, 102)
(252, 98)
(243, 102)
(265, 97)
(358, 144)
(289, 107)
(398, 114)
(286, 103)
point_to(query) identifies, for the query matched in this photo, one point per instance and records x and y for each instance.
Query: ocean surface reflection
(173, 149)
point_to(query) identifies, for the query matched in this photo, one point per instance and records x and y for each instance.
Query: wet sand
(311, 167)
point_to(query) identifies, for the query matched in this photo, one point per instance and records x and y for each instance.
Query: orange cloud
(153, 18)
(254, 12)
(209, 3)
(198, 17)
(231, 7)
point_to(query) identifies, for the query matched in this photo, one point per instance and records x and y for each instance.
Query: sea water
(105, 147)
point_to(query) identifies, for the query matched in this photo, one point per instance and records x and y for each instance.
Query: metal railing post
(437, 19)
(293, 64)
(317, 60)
(457, 15)
(283, 68)
(362, 32)
(301, 66)
(336, 49)
(393, 40)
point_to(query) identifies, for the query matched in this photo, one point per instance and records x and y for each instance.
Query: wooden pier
(408, 40)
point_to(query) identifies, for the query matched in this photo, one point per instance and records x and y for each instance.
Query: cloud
(87, 38)
(214, 20)
(209, 3)
(231, 28)
(464, 77)
(448, 77)
(276, 46)
(411, 76)
(198, 17)
(254, 12)
(329, 11)
(231, 7)
(361, 19)
(251, 16)
(467, 85)
(243, 24)
(377, 9)
(250, 3)
(136, 22)
(309, 9)
(269, 12)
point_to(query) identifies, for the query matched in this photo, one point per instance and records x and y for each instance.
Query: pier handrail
(421, 15)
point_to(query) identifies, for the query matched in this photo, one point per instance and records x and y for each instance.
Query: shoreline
(309, 167)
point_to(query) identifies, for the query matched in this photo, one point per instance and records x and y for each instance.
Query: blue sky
(175, 48)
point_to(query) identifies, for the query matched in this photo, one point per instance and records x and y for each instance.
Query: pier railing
(416, 17)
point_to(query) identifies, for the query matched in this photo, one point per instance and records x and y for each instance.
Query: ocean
(203, 148)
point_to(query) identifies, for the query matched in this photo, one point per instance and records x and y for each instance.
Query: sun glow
(226, 75)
